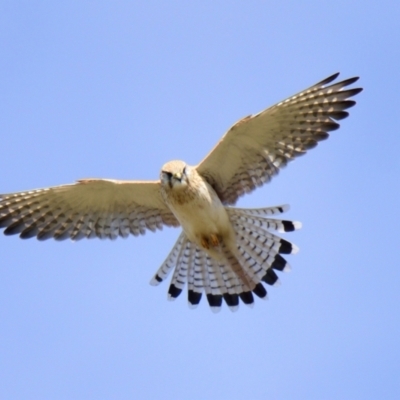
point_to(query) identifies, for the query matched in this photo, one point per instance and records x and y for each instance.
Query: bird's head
(175, 175)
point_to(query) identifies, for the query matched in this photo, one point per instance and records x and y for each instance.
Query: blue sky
(114, 89)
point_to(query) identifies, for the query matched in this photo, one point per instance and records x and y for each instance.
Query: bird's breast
(200, 212)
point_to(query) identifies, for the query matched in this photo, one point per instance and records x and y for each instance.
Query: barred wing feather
(89, 208)
(255, 148)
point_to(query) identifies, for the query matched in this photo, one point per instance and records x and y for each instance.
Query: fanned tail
(260, 250)
(257, 257)
(202, 273)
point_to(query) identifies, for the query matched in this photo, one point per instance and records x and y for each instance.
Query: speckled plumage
(224, 252)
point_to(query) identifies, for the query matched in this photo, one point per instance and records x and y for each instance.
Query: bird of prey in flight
(225, 252)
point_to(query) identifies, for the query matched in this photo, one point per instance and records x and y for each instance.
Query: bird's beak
(178, 176)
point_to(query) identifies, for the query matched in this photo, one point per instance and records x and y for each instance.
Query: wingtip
(351, 80)
(329, 79)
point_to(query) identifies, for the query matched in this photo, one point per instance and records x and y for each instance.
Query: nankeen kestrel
(224, 251)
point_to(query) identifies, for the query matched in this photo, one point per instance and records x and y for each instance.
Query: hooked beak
(178, 176)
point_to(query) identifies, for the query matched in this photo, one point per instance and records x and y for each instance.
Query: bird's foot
(213, 240)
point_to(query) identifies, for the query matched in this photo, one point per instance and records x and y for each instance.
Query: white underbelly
(203, 217)
(198, 221)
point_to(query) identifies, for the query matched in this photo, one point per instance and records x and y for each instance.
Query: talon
(214, 240)
(204, 243)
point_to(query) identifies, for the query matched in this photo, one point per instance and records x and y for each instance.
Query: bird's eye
(168, 174)
(184, 170)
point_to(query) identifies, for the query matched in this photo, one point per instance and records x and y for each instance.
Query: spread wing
(89, 208)
(255, 148)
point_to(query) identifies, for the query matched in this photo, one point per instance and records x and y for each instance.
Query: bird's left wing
(89, 208)
(256, 147)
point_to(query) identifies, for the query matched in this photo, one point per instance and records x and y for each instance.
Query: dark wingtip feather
(352, 92)
(29, 232)
(44, 235)
(349, 81)
(14, 228)
(339, 115)
(330, 126)
(345, 104)
(328, 80)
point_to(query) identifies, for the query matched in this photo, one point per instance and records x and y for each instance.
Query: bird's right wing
(256, 147)
(89, 208)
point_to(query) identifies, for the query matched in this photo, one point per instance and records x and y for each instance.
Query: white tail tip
(297, 225)
(154, 282)
(295, 249)
(287, 268)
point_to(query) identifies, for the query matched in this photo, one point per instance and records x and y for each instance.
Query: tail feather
(170, 262)
(217, 280)
(233, 287)
(247, 298)
(260, 249)
(237, 281)
(212, 284)
(266, 257)
(243, 270)
(262, 223)
(180, 275)
(271, 278)
(261, 211)
(232, 282)
(195, 279)
(264, 238)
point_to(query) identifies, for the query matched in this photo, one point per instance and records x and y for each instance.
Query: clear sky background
(114, 89)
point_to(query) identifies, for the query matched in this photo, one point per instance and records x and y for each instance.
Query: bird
(227, 253)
